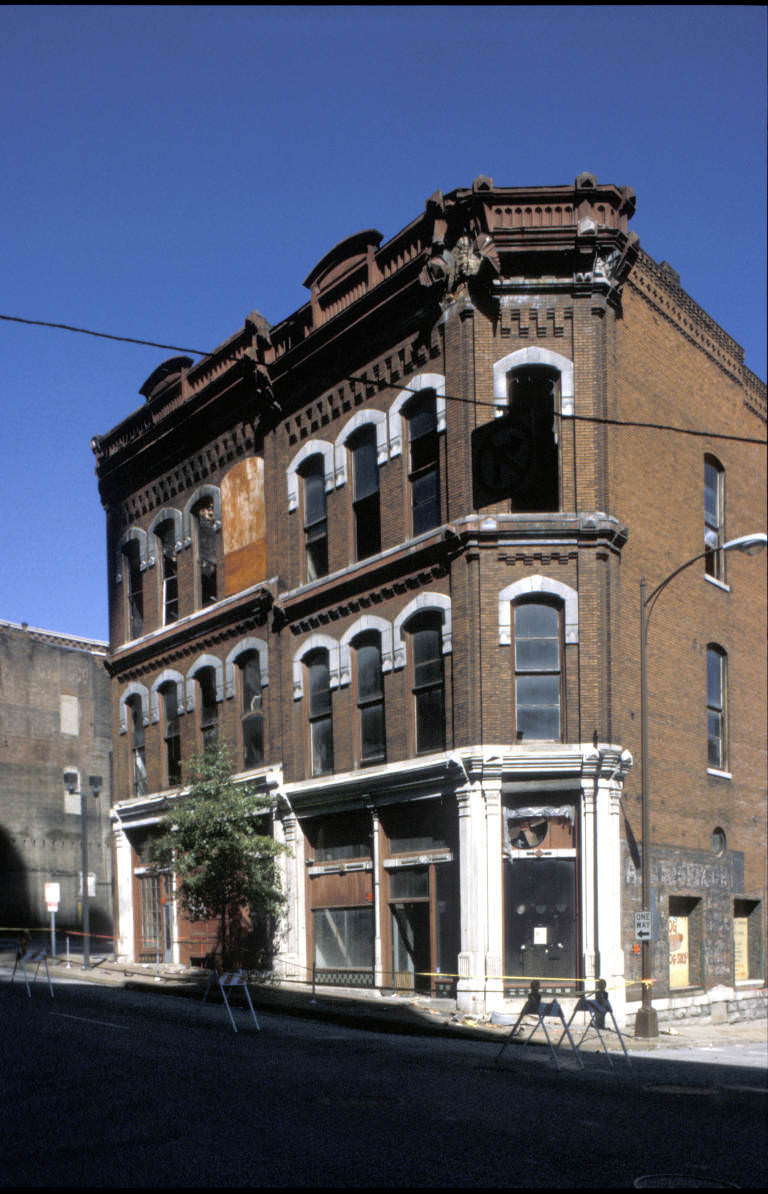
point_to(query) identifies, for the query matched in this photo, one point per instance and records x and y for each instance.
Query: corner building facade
(389, 550)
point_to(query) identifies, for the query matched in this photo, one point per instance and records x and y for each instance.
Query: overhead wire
(380, 383)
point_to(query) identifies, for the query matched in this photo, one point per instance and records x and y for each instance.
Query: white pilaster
(473, 869)
(124, 935)
(494, 967)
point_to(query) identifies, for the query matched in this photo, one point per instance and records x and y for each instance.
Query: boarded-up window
(69, 715)
(244, 525)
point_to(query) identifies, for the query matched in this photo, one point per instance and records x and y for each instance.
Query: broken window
(134, 587)
(138, 753)
(209, 709)
(171, 735)
(530, 448)
(315, 518)
(251, 716)
(166, 538)
(206, 550)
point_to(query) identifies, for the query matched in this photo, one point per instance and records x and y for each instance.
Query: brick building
(389, 549)
(55, 732)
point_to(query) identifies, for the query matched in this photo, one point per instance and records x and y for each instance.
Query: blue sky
(166, 170)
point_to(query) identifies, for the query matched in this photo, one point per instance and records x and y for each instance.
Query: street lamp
(94, 782)
(646, 1021)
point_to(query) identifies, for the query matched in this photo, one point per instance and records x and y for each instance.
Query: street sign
(52, 892)
(643, 925)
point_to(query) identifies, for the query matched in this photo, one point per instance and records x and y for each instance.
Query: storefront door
(540, 918)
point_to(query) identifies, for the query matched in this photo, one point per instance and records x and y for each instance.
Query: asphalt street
(115, 1087)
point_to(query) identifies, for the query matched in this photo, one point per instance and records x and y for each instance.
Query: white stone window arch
(532, 355)
(201, 493)
(167, 514)
(360, 419)
(133, 534)
(167, 677)
(533, 586)
(422, 381)
(243, 647)
(313, 447)
(315, 642)
(424, 603)
(134, 690)
(201, 662)
(363, 625)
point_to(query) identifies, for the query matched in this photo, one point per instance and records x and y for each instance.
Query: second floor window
(424, 463)
(428, 682)
(320, 713)
(716, 707)
(537, 672)
(209, 709)
(370, 699)
(171, 735)
(251, 716)
(714, 503)
(315, 518)
(138, 752)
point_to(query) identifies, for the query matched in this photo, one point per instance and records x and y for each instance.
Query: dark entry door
(540, 918)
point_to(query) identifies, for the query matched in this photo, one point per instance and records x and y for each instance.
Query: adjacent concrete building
(389, 549)
(55, 732)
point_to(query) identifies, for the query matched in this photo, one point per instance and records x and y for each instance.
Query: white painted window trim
(201, 662)
(244, 645)
(313, 643)
(363, 624)
(424, 602)
(535, 586)
(361, 418)
(141, 538)
(141, 692)
(532, 355)
(166, 677)
(422, 381)
(313, 447)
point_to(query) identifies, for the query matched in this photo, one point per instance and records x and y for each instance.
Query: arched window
(138, 751)
(424, 462)
(206, 528)
(427, 680)
(251, 714)
(171, 732)
(134, 587)
(538, 673)
(319, 712)
(714, 518)
(315, 518)
(370, 698)
(365, 500)
(209, 709)
(165, 533)
(532, 449)
(717, 742)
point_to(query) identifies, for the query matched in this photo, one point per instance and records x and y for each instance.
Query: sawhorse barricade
(534, 1006)
(597, 1007)
(39, 956)
(231, 979)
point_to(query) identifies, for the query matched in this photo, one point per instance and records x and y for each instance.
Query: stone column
(293, 944)
(587, 873)
(378, 911)
(494, 964)
(609, 932)
(470, 994)
(124, 934)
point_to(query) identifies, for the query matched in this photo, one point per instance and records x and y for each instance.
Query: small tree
(214, 841)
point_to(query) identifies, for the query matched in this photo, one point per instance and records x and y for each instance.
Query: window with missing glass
(171, 734)
(251, 712)
(166, 537)
(134, 579)
(206, 537)
(209, 709)
(538, 679)
(138, 750)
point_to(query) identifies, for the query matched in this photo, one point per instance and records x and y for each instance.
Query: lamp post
(646, 1021)
(94, 782)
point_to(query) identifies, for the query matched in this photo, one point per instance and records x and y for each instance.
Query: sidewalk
(410, 1014)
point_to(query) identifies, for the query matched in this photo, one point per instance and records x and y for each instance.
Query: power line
(65, 327)
(741, 439)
